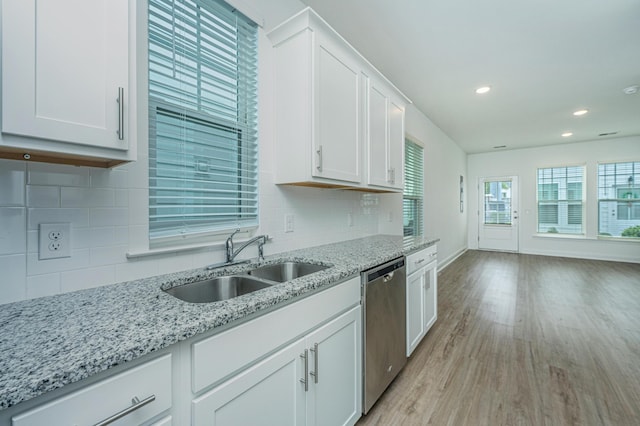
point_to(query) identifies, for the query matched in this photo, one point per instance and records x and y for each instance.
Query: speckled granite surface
(49, 342)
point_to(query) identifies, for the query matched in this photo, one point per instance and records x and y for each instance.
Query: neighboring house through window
(619, 199)
(412, 202)
(561, 200)
(203, 160)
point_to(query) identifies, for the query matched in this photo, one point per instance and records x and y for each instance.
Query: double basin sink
(229, 286)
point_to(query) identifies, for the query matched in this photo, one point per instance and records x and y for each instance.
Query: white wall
(108, 209)
(444, 163)
(524, 164)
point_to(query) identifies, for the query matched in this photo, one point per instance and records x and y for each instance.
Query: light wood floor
(524, 340)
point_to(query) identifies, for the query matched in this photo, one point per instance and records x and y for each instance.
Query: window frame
(631, 186)
(565, 200)
(412, 201)
(245, 125)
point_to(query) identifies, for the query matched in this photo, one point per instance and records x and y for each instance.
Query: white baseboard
(449, 260)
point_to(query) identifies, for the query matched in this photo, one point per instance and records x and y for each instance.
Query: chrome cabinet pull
(419, 261)
(305, 356)
(393, 175)
(315, 363)
(319, 152)
(120, 101)
(136, 405)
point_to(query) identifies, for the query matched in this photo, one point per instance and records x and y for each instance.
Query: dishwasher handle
(388, 277)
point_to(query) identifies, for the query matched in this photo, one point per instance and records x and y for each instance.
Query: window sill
(563, 236)
(626, 239)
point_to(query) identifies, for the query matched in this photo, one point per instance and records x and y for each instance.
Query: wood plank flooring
(524, 340)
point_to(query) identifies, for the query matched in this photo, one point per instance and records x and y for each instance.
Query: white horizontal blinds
(619, 199)
(413, 195)
(203, 158)
(560, 200)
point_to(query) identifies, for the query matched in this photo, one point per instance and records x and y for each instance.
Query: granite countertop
(49, 342)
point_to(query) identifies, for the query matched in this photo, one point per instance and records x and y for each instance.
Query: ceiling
(544, 59)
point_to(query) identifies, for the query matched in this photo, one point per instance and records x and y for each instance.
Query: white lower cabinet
(315, 380)
(138, 394)
(422, 289)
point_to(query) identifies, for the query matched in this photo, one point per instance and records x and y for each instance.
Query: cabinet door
(335, 389)
(415, 309)
(268, 393)
(396, 144)
(431, 296)
(336, 146)
(65, 70)
(378, 136)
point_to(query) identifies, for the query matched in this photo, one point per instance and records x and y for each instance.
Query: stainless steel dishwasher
(384, 320)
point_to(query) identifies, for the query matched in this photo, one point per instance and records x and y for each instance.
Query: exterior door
(498, 224)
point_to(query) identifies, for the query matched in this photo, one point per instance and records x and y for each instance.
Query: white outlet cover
(54, 240)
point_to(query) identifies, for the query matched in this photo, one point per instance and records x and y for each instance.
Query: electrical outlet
(288, 223)
(54, 240)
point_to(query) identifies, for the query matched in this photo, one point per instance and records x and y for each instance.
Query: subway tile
(79, 259)
(138, 237)
(43, 285)
(174, 263)
(99, 217)
(32, 240)
(57, 174)
(13, 285)
(13, 232)
(78, 217)
(138, 207)
(108, 255)
(109, 178)
(108, 236)
(135, 269)
(122, 198)
(87, 197)
(43, 196)
(12, 182)
(87, 278)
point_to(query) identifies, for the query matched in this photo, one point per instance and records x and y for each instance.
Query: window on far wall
(619, 199)
(413, 195)
(560, 200)
(203, 161)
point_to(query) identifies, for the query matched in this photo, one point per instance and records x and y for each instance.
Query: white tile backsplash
(79, 259)
(43, 196)
(13, 235)
(12, 182)
(87, 197)
(109, 217)
(13, 281)
(77, 217)
(43, 285)
(57, 175)
(87, 278)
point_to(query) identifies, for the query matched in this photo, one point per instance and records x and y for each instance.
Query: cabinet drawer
(421, 258)
(102, 400)
(219, 356)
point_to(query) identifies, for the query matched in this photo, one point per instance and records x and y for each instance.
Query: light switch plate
(54, 240)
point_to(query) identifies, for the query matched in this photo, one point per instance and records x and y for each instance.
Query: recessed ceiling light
(631, 90)
(581, 112)
(567, 134)
(482, 90)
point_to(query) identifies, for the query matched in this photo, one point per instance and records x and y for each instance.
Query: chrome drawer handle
(315, 363)
(420, 261)
(120, 101)
(136, 405)
(305, 381)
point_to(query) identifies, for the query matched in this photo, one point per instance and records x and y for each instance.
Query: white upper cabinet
(65, 80)
(327, 112)
(385, 135)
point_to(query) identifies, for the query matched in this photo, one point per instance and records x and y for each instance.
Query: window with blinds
(561, 200)
(619, 199)
(413, 195)
(203, 154)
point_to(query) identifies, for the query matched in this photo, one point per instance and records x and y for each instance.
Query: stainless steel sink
(285, 271)
(216, 289)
